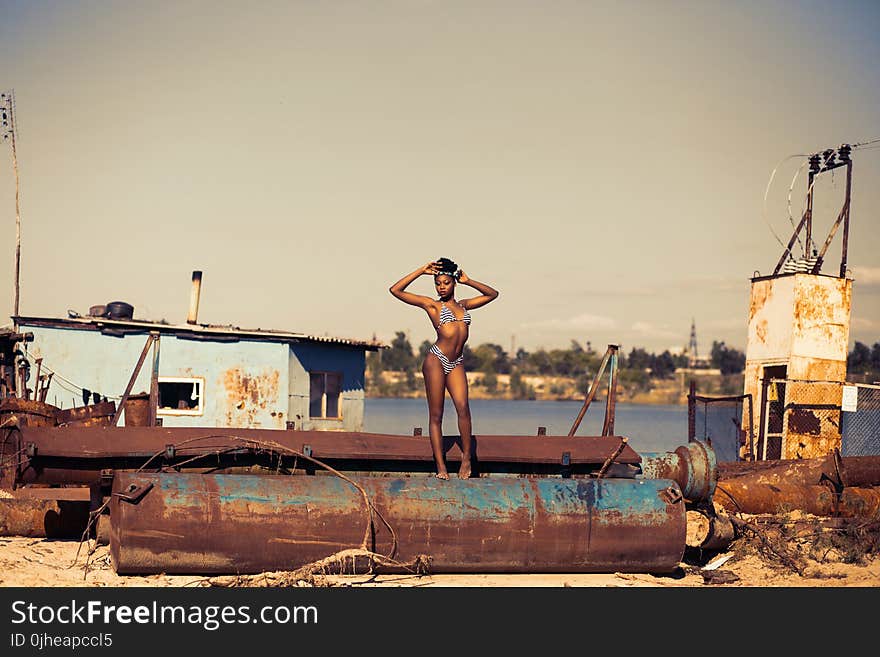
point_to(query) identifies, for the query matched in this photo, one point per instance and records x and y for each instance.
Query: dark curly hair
(448, 267)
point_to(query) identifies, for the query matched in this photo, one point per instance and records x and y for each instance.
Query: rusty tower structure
(798, 333)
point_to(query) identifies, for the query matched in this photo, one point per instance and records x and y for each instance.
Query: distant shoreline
(400, 385)
(596, 400)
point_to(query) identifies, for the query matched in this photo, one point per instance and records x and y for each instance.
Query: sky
(616, 170)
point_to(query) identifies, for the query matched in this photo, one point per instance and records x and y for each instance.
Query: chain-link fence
(718, 421)
(860, 427)
(807, 419)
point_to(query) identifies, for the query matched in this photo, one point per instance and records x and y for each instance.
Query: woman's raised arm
(487, 293)
(399, 288)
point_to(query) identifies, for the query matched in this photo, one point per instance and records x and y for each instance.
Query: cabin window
(324, 391)
(181, 395)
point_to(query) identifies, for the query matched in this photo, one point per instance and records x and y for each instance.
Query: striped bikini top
(446, 316)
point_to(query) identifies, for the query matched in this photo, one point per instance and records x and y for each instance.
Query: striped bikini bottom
(448, 365)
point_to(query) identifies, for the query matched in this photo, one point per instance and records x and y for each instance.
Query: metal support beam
(134, 375)
(847, 202)
(594, 388)
(611, 401)
(154, 381)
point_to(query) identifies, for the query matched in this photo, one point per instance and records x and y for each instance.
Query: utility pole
(7, 127)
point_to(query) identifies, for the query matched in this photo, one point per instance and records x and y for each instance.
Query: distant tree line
(864, 361)
(636, 368)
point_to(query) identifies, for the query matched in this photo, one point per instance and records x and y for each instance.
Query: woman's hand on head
(462, 277)
(431, 268)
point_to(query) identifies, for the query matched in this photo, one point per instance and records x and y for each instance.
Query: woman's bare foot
(464, 472)
(442, 475)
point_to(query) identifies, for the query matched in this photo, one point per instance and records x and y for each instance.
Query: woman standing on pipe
(443, 369)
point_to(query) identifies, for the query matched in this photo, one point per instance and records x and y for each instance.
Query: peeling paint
(504, 524)
(249, 395)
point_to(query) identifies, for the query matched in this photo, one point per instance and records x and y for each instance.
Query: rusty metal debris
(608, 422)
(186, 523)
(692, 465)
(840, 470)
(607, 464)
(43, 518)
(709, 531)
(821, 500)
(82, 455)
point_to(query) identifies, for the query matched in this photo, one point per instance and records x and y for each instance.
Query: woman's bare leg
(435, 384)
(456, 383)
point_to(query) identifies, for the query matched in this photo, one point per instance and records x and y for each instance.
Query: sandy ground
(34, 562)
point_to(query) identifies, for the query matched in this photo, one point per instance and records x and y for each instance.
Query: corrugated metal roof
(190, 331)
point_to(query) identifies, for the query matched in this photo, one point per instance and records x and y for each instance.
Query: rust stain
(761, 331)
(827, 370)
(810, 447)
(258, 522)
(813, 307)
(820, 305)
(249, 395)
(761, 293)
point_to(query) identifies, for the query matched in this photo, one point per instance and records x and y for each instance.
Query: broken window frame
(198, 381)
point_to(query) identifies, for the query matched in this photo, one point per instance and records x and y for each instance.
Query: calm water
(649, 427)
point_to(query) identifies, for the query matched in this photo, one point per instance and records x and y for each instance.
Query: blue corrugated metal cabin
(209, 376)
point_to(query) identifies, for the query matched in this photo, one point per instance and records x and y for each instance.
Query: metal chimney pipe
(193, 316)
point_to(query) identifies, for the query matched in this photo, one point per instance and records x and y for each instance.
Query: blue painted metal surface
(183, 523)
(248, 383)
(349, 362)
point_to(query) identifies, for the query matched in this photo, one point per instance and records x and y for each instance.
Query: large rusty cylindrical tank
(207, 523)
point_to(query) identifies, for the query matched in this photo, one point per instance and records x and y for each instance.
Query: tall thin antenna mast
(7, 128)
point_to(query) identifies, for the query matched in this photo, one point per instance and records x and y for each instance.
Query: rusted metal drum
(137, 410)
(191, 523)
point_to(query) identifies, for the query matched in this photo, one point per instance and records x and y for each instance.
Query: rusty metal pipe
(861, 470)
(184, 523)
(40, 518)
(195, 293)
(846, 470)
(737, 496)
(709, 531)
(692, 466)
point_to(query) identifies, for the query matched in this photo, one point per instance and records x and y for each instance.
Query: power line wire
(869, 144)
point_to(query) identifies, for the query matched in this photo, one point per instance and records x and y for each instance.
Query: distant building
(208, 376)
(695, 361)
